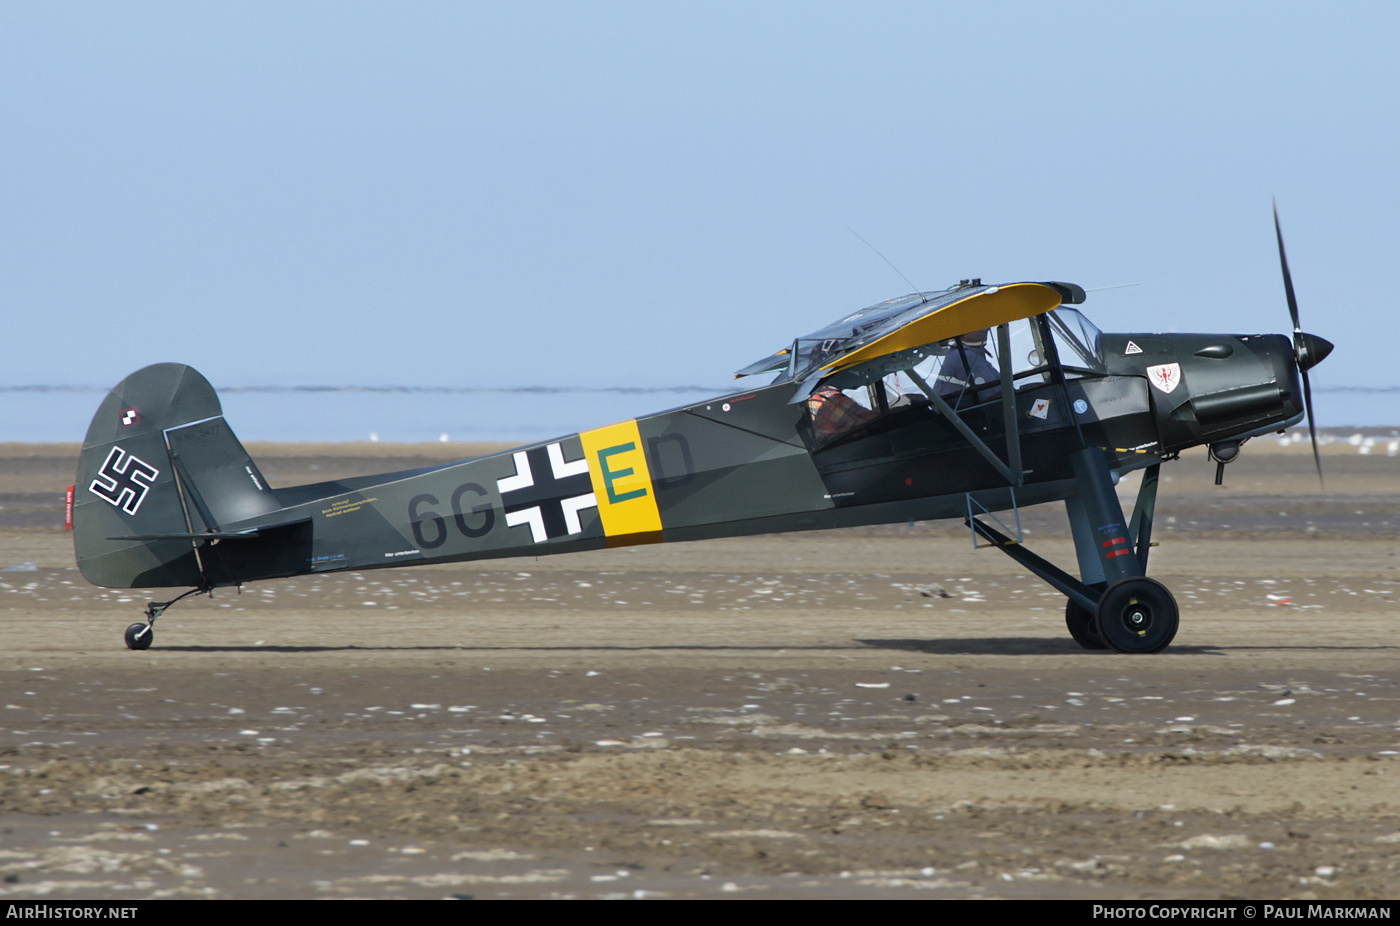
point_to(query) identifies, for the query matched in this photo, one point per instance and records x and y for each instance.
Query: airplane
(967, 403)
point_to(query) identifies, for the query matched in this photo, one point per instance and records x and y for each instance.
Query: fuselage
(754, 461)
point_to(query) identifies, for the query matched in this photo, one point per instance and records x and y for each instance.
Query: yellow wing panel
(986, 309)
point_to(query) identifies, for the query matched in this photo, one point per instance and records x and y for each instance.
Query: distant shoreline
(1331, 439)
(514, 417)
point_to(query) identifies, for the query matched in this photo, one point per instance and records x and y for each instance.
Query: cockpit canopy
(917, 329)
(913, 323)
(956, 374)
(857, 329)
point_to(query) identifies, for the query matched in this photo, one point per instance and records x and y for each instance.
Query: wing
(983, 308)
(911, 321)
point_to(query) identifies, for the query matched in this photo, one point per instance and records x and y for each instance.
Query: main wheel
(140, 636)
(1081, 626)
(1137, 615)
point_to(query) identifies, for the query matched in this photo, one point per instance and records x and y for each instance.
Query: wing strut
(1012, 473)
(1008, 403)
(1140, 527)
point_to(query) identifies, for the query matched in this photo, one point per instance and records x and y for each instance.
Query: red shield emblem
(1165, 376)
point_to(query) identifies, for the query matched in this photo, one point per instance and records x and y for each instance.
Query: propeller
(1308, 349)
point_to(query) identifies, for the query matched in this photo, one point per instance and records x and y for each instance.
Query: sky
(610, 194)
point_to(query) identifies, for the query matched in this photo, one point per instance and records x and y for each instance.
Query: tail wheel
(1137, 615)
(140, 636)
(1082, 627)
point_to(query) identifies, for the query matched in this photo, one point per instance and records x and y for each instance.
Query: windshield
(1077, 340)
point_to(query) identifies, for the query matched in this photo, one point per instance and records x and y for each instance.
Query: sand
(870, 713)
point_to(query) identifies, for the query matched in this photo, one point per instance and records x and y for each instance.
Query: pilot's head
(975, 338)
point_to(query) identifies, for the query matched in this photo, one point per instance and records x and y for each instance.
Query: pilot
(834, 413)
(967, 368)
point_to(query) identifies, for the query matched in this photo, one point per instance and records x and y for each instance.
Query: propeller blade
(1287, 277)
(1307, 349)
(1312, 427)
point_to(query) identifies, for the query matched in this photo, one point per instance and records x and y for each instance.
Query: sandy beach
(881, 712)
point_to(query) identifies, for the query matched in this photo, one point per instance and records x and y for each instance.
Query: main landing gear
(1113, 605)
(1136, 615)
(141, 636)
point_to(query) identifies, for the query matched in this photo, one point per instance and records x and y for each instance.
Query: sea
(43, 414)
(61, 413)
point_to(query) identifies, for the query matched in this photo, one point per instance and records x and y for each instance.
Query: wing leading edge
(987, 308)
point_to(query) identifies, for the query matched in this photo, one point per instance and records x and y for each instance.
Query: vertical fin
(159, 459)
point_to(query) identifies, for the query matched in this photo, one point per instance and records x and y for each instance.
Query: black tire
(1082, 627)
(140, 636)
(1137, 615)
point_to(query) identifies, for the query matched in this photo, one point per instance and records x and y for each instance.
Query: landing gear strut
(1113, 605)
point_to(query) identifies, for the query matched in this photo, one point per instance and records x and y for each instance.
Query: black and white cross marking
(547, 492)
(130, 416)
(123, 480)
